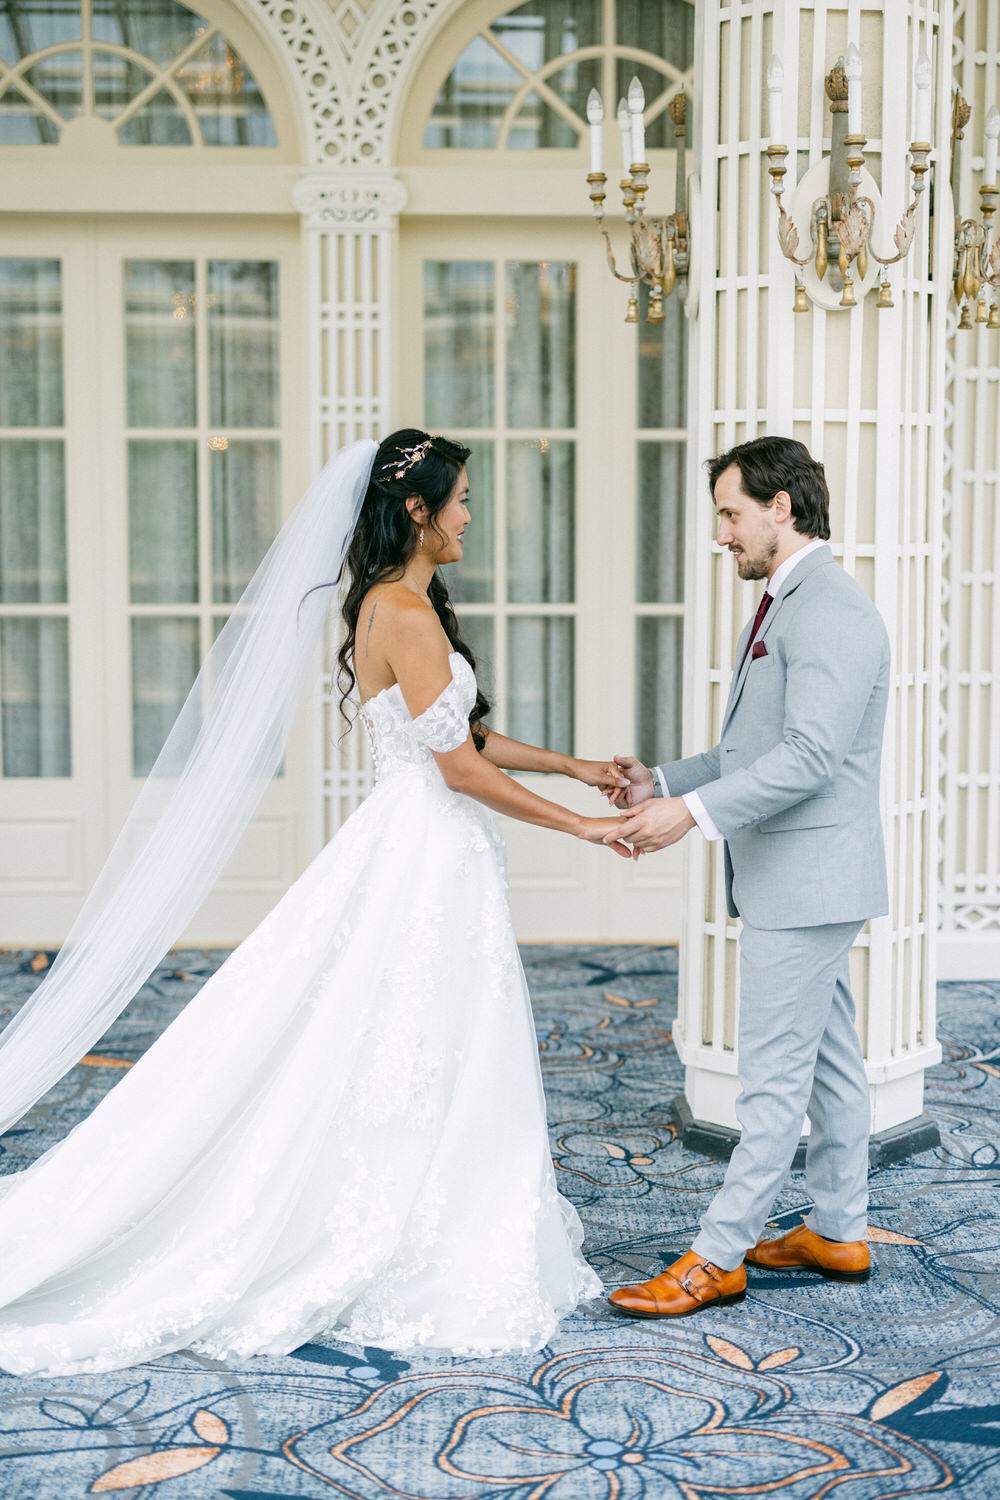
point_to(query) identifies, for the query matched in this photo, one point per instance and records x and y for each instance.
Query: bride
(343, 1134)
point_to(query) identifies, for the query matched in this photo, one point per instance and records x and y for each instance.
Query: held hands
(602, 774)
(654, 826)
(605, 831)
(636, 783)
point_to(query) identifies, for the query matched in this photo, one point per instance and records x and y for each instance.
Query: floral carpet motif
(808, 1389)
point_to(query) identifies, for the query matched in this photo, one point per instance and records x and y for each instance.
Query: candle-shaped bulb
(852, 70)
(625, 127)
(636, 105)
(922, 99)
(992, 135)
(775, 85)
(595, 114)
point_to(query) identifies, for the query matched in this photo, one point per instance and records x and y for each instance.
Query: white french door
(511, 340)
(144, 468)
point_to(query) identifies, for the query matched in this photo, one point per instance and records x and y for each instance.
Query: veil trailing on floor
(220, 755)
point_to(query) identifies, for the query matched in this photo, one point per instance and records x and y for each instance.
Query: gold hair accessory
(411, 456)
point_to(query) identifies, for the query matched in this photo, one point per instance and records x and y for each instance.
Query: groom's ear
(782, 506)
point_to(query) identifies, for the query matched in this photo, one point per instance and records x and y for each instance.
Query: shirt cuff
(659, 783)
(699, 812)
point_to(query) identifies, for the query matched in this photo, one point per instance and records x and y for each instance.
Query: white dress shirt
(692, 801)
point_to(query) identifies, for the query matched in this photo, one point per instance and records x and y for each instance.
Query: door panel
(179, 359)
(569, 591)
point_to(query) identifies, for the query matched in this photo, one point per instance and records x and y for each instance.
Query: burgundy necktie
(762, 609)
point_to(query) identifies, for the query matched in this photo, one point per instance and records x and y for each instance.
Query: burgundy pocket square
(759, 650)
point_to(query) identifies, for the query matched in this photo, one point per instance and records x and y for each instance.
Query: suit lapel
(797, 577)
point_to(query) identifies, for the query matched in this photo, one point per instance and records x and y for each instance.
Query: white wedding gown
(342, 1135)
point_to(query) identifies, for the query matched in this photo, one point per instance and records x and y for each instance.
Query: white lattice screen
(863, 390)
(969, 913)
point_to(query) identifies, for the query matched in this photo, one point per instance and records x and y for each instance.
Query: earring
(421, 542)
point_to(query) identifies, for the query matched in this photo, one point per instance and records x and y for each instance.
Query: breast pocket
(811, 812)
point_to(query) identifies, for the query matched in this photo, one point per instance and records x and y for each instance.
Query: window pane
(246, 490)
(458, 343)
(159, 29)
(163, 522)
(477, 633)
(540, 687)
(32, 522)
(31, 381)
(471, 580)
(667, 30)
(158, 123)
(243, 342)
(116, 81)
(226, 97)
(543, 29)
(659, 674)
(660, 540)
(164, 665)
(541, 343)
(21, 124)
(34, 697)
(539, 125)
(160, 343)
(468, 110)
(59, 79)
(540, 521)
(662, 364)
(27, 26)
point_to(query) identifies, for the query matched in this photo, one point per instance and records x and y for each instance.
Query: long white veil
(226, 745)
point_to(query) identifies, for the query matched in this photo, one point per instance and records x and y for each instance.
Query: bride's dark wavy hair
(385, 539)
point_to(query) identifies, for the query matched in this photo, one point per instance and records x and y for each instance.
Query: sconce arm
(611, 260)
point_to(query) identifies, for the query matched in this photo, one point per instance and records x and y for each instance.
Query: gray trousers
(799, 1054)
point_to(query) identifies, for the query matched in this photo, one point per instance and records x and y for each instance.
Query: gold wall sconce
(659, 247)
(837, 207)
(977, 260)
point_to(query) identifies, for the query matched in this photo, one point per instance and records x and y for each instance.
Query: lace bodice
(400, 741)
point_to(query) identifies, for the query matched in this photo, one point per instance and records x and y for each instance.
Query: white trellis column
(864, 390)
(969, 933)
(350, 221)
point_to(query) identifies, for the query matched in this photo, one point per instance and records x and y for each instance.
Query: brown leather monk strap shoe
(801, 1250)
(687, 1286)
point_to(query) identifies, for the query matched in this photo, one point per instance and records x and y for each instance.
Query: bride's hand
(596, 830)
(605, 775)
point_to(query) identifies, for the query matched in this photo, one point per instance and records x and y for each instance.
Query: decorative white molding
(293, 26)
(394, 35)
(347, 200)
(346, 65)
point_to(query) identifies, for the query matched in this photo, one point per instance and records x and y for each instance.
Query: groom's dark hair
(770, 464)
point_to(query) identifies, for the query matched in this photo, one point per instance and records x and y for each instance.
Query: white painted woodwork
(864, 390)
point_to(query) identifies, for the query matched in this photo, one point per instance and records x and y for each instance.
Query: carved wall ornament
(348, 200)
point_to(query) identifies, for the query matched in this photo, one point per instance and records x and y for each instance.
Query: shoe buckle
(686, 1285)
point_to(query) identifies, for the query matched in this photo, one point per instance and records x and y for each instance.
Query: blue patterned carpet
(808, 1389)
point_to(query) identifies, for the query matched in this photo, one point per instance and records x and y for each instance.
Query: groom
(793, 789)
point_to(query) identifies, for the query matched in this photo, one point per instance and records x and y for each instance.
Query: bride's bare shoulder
(394, 607)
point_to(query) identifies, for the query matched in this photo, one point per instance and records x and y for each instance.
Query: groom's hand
(639, 783)
(656, 825)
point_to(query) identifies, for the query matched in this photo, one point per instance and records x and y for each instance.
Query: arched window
(522, 82)
(158, 73)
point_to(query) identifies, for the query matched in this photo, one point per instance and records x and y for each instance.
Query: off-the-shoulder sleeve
(445, 725)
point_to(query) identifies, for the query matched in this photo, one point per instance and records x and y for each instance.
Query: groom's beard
(752, 566)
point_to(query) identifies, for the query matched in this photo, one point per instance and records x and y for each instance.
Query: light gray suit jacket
(793, 785)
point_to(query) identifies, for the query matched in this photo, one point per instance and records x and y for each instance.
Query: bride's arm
(512, 755)
(418, 656)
